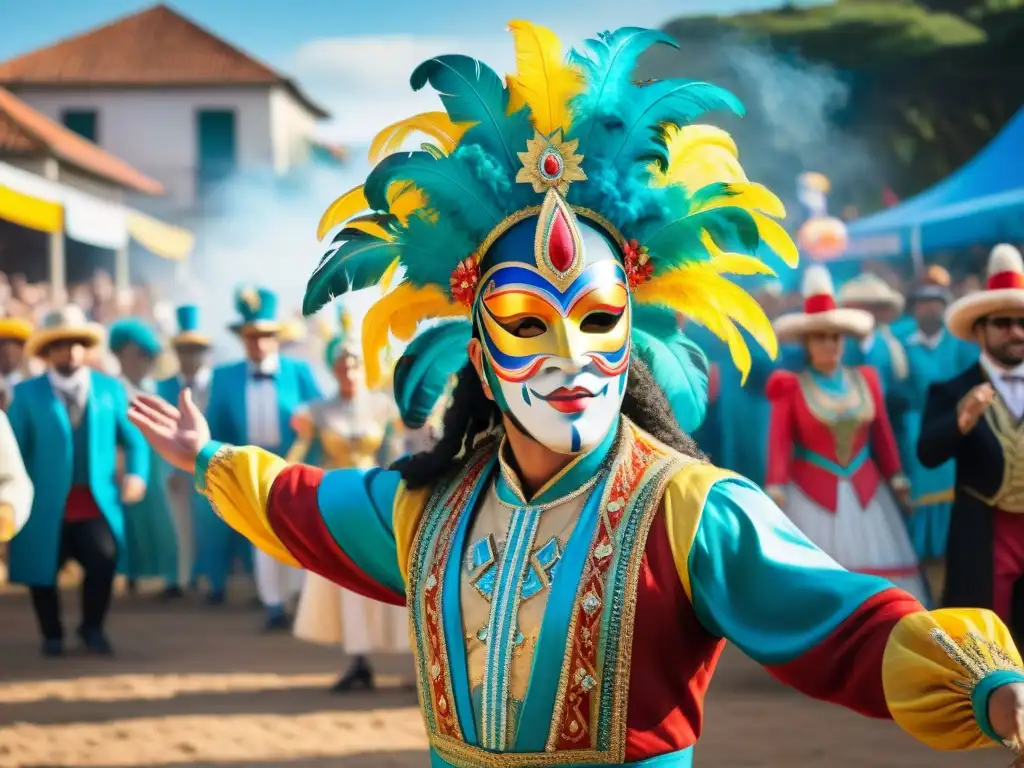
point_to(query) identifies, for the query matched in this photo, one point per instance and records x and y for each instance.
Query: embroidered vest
(1010, 434)
(575, 707)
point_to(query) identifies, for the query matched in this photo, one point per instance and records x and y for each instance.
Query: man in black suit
(977, 419)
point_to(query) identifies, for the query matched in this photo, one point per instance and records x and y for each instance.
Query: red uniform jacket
(815, 448)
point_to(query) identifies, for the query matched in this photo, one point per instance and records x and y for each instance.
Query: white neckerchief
(1012, 392)
(270, 364)
(200, 380)
(74, 387)
(932, 342)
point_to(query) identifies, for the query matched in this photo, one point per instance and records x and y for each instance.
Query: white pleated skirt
(867, 539)
(330, 615)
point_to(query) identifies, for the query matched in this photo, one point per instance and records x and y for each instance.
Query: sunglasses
(1006, 323)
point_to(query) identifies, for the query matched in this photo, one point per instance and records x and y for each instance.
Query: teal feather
(472, 92)
(452, 188)
(681, 369)
(423, 372)
(431, 250)
(608, 73)
(357, 262)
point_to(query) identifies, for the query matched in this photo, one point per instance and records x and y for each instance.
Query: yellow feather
(389, 276)
(400, 312)
(753, 197)
(543, 80)
(776, 238)
(436, 125)
(699, 155)
(342, 209)
(371, 228)
(404, 199)
(733, 263)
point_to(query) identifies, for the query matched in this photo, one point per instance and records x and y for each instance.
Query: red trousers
(1007, 560)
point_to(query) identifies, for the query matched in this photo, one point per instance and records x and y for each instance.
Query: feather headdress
(629, 156)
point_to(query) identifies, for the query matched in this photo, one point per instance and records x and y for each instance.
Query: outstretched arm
(353, 527)
(847, 638)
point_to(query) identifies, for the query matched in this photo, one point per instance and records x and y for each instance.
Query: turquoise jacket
(41, 425)
(226, 411)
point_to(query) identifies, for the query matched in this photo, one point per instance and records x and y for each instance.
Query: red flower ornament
(639, 267)
(464, 280)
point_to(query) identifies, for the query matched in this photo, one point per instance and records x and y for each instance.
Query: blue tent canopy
(982, 202)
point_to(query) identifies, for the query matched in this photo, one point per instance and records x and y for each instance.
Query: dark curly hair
(471, 414)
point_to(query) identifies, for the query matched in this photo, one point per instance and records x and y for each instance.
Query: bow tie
(262, 376)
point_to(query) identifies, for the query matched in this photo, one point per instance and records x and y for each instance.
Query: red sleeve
(781, 389)
(294, 515)
(846, 667)
(883, 441)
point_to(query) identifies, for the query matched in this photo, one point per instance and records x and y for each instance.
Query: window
(217, 152)
(81, 121)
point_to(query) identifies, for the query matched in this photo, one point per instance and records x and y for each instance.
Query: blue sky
(356, 62)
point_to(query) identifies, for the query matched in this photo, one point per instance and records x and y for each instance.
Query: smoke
(261, 231)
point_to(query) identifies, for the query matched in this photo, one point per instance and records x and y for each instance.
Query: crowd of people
(103, 499)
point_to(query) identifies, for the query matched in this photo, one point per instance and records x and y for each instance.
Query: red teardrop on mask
(561, 247)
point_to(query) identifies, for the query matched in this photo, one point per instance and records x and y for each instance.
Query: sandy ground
(195, 687)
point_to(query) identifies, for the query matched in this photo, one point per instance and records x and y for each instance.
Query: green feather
(423, 372)
(472, 92)
(358, 262)
(681, 370)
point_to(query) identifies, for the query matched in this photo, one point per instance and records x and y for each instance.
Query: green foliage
(928, 83)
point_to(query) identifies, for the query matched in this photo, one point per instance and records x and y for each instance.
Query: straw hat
(68, 323)
(15, 329)
(870, 290)
(934, 287)
(821, 315)
(188, 328)
(1004, 290)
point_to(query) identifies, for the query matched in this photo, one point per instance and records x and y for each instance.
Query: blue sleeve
(358, 507)
(136, 450)
(217, 410)
(758, 581)
(21, 425)
(307, 384)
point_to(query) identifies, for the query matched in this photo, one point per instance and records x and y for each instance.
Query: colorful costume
(832, 451)
(196, 525)
(579, 625)
(150, 536)
(985, 552)
(931, 359)
(253, 403)
(69, 426)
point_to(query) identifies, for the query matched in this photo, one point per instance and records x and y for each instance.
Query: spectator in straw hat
(14, 332)
(974, 419)
(68, 424)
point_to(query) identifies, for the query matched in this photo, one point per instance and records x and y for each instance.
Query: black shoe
(172, 593)
(358, 677)
(95, 641)
(216, 597)
(53, 647)
(277, 623)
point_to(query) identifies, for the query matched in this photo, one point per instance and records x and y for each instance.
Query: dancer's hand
(133, 489)
(777, 494)
(177, 434)
(973, 406)
(1006, 714)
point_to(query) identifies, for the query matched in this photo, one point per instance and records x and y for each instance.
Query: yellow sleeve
(237, 481)
(939, 669)
(406, 516)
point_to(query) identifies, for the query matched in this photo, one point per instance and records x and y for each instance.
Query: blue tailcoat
(227, 409)
(40, 422)
(931, 489)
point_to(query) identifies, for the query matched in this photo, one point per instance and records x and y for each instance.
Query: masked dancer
(571, 564)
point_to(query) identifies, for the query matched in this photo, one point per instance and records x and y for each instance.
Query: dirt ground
(195, 687)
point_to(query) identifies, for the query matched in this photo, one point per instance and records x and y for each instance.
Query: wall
(291, 126)
(155, 130)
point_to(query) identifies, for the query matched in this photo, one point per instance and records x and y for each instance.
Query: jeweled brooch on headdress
(464, 280)
(639, 267)
(550, 163)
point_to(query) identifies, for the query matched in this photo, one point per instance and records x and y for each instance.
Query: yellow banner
(161, 238)
(30, 212)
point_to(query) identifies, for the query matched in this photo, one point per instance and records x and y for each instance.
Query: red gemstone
(551, 165)
(561, 248)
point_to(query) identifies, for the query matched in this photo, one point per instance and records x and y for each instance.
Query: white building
(173, 100)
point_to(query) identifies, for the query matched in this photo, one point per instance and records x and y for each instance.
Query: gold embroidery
(1010, 434)
(978, 657)
(843, 414)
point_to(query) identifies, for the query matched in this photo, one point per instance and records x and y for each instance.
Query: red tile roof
(23, 130)
(155, 47)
